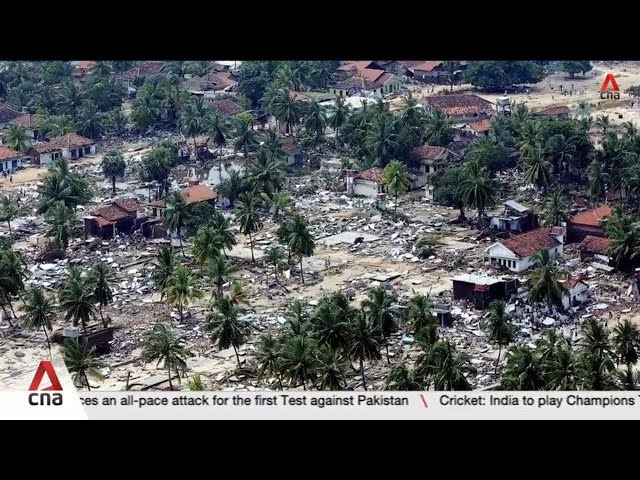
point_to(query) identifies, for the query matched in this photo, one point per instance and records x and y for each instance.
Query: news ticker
(320, 405)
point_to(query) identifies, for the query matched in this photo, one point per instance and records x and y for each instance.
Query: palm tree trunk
(386, 347)
(169, 372)
(86, 382)
(84, 326)
(251, 245)
(235, 349)
(44, 329)
(395, 205)
(12, 310)
(364, 381)
(101, 316)
(9, 225)
(180, 309)
(195, 148)
(113, 184)
(498, 359)
(280, 381)
(7, 316)
(301, 270)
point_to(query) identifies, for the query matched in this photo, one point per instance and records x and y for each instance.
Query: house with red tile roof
(9, 159)
(596, 248)
(367, 183)
(575, 291)
(431, 71)
(194, 193)
(365, 78)
(461, 108)
(212, 83)
(554, 111)
(431, 158)
(516, 253)
(30, 123)
(589, 222)
(118, 216)
(70, 146)
(7, 113)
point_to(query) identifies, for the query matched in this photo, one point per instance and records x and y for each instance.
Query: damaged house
(195, 193)
(516, 253)
(575, 292)
(430, 158)
(70, 146)
(586, 223)
(596, 248)
(460, 108)
(118, 217)
(514, 217)
(212, 84)
(367, 183)
(482, 290)
(10, 159)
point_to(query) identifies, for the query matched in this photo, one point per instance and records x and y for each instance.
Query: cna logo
(45, 398)
(609, 89)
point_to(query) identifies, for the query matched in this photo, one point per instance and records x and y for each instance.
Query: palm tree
(70, 99)
(249, 217)
(286, 110)
(561, 369)
(269, 359)
(477, 188)
(275, 256)
(219, 269)
(81, 361)
(101, 276)
(603, 122)
(39, 311)
(300, 240)
(218, 135)
(396, 179)
(556, 209)
(544, 286)
(315, 120)
(245, 138)
(266, 173)
(626, 339)
(17, 138)
(403, 378)
(77, 299)
(451, 67)
(286, 78)
(498, 326)
(174, 215)
(113, 166)
(60, 220)
(8, 211)
(596, 362)
(597, 178)
(226, 237)
(279, 201)
(329, 369)
(381, 140)
(419, 312)
(181, 288)
(529, 136)
(273, 145)
(339, 115)
(298, 360)
(231, 188)
(163, 346)
(331, 321)
(522, 370)
(365, 343)
(562, 151)
(165, 265)
(438, 130)
(90, 121)
(624, 234)
(225, 326)
(448, 369)
(207, 244)
(196, 384)
(379, 307)
(538, 168)
(298, 320)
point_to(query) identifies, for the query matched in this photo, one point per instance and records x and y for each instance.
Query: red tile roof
(86, 64)
(198, 193)
(7, 113)
(481, 126)
(553, 111)
(120, 208)
(592, 218)
(355, 66)
(426, 66)
(428, 153)
(225, 107)
(127, 204)
(592, 244)
(27, 120)
(528, 243)
(410, 63)
(458, 104)
(70, 140)
(570, 283)
(7, 153)
(146, 69)
(373, 175)
(212, 81)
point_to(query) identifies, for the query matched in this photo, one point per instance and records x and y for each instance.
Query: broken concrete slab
(348, 238)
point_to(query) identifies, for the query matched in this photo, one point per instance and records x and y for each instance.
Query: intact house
(148, 69)
(106, 221)
(596, 248)
(70, 146)
(514, 217)
(557, 111)
(460, 108)
(10, 160)
(516, 253)
(482, 290)
(194, 193)
(293, 154)
(589, 222)
(478, 129)
(212, 85)
(30, 123)
(431, 158)
(575, 292)
(367, 82)
(367, 183)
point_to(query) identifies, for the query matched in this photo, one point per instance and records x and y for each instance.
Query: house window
(14, 164)
(87, 150)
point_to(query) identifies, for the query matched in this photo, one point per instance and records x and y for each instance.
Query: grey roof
(516, 206)
(476, 279)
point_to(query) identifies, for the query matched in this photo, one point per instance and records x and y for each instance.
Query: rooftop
(7, 113)
(198, 193)
(481, 126)
(513, 205)
(458, 104)
(526, 244)
(27, 120)
(120, 208)
(429, 153)
(7, 153)
(70, 140)
(225, 107)
(570, 283)
(476, 279)
(593, 244)
(553, 111)
(592, 218)
(373, 175)
(426, 66)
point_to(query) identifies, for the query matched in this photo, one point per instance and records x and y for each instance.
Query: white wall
(579, 294)
(7, 165)
(365, 188)
(47, 158)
